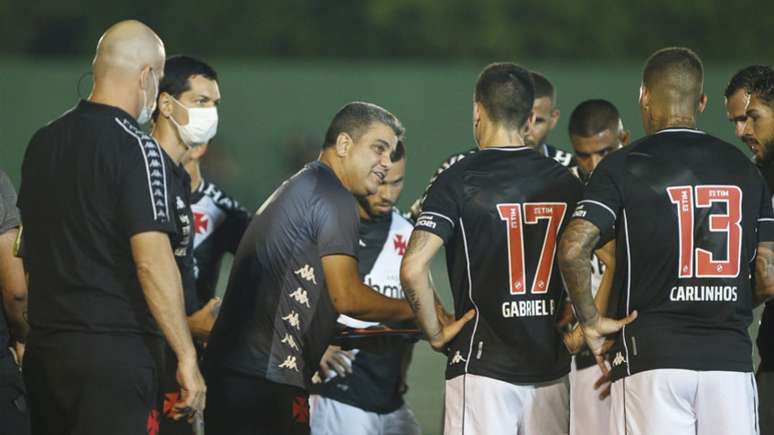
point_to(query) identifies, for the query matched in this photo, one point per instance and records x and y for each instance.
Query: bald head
(126, 49)
(674, 77)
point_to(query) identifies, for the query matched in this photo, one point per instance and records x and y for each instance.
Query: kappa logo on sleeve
(154, 168)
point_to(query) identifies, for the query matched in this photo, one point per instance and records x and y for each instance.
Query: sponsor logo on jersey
(289, 364)
(301, 296)
(426, 222)
(307, 273)
(457, 358)
(290, 342)
(293, 320)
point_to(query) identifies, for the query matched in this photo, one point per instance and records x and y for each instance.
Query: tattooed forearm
(574, 257)
(764, 273)
(414, 278)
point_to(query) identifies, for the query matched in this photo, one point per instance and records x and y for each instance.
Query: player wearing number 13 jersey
(499, 212)
(689, 211)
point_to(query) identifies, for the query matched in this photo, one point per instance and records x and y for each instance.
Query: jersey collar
(681, 130)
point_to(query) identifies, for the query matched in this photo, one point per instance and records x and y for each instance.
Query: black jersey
(765, 339)
(9, 219)
(689, 210)
(376, 381)
(500, 212)
(563, 157)
(219, 223)
(416, 207)
(277, 317)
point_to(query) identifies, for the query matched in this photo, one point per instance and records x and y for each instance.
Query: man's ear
(476, 113)
(702, 103)
(644, 97)
(623, 137)
(529, 125)
(165, 104)
(554, 118)
(343, 144)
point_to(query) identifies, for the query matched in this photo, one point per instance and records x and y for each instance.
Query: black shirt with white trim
(689, 210)
(219, 222)
(277, 318)
(765, 340)
(91, 179)
(563, 157)
(500, 212)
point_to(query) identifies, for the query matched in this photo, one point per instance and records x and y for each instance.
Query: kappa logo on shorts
(457, 358)
(300, 410)
(619, 359)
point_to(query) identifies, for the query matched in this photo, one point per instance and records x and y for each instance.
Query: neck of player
(498, 137)
(166, 135)
(661, 120)
(195, 172)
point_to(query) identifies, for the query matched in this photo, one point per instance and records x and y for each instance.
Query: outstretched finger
(602, 366)
(628, 319)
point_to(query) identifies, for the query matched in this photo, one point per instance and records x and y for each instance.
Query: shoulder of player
(401, 220)
(564, 158)
(219, 197)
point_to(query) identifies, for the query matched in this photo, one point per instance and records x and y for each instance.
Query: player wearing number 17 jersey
(498, 212)
(690, 212)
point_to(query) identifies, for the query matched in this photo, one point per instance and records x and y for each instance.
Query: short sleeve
(766, 215)
(602, 197)
(337, 224)
(9, 214)
(236, 223)
(143, 187)
(440, 209)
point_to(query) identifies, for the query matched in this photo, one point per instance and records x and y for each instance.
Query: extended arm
(13, 285)
(351, 297)
(161, 284)
(415, 280)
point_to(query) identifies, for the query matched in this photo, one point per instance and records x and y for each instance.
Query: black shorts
(82, 384)
(14, 414)
(239, 404)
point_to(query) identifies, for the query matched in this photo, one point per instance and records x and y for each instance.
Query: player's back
(506, 207)
(689, 205)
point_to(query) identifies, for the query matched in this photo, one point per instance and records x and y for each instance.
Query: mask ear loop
(80, 80)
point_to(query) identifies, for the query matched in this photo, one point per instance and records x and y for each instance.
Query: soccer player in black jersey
(546, 117)
(185, 118)
(691, 215)
(498, 213)
(759, 130)
(360, 391)
(595, 130)
(736, 98)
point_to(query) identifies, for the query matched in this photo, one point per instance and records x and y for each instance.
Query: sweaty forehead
(379, 132)
(199, 85)
(542, 106)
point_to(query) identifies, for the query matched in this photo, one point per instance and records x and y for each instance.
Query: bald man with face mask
(99, 240)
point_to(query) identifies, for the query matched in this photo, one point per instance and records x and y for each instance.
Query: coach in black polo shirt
(96, 205)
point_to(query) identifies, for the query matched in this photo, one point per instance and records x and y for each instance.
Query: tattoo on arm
(416, 282)
(575, 251)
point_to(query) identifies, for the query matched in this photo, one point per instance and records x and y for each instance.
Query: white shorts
(478, 405)
(684, 402)
(330, 417)
(589, 415)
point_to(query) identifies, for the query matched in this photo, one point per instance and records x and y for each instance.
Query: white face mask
(146, 112)
(202, 124)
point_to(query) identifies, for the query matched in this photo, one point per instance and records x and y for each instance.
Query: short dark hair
(744, 78)
(399, 153)
(506, 92)
(676, 69)
(763, 87)
(178, 71)
(356, 118)
(543, 87)
(594, 116)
